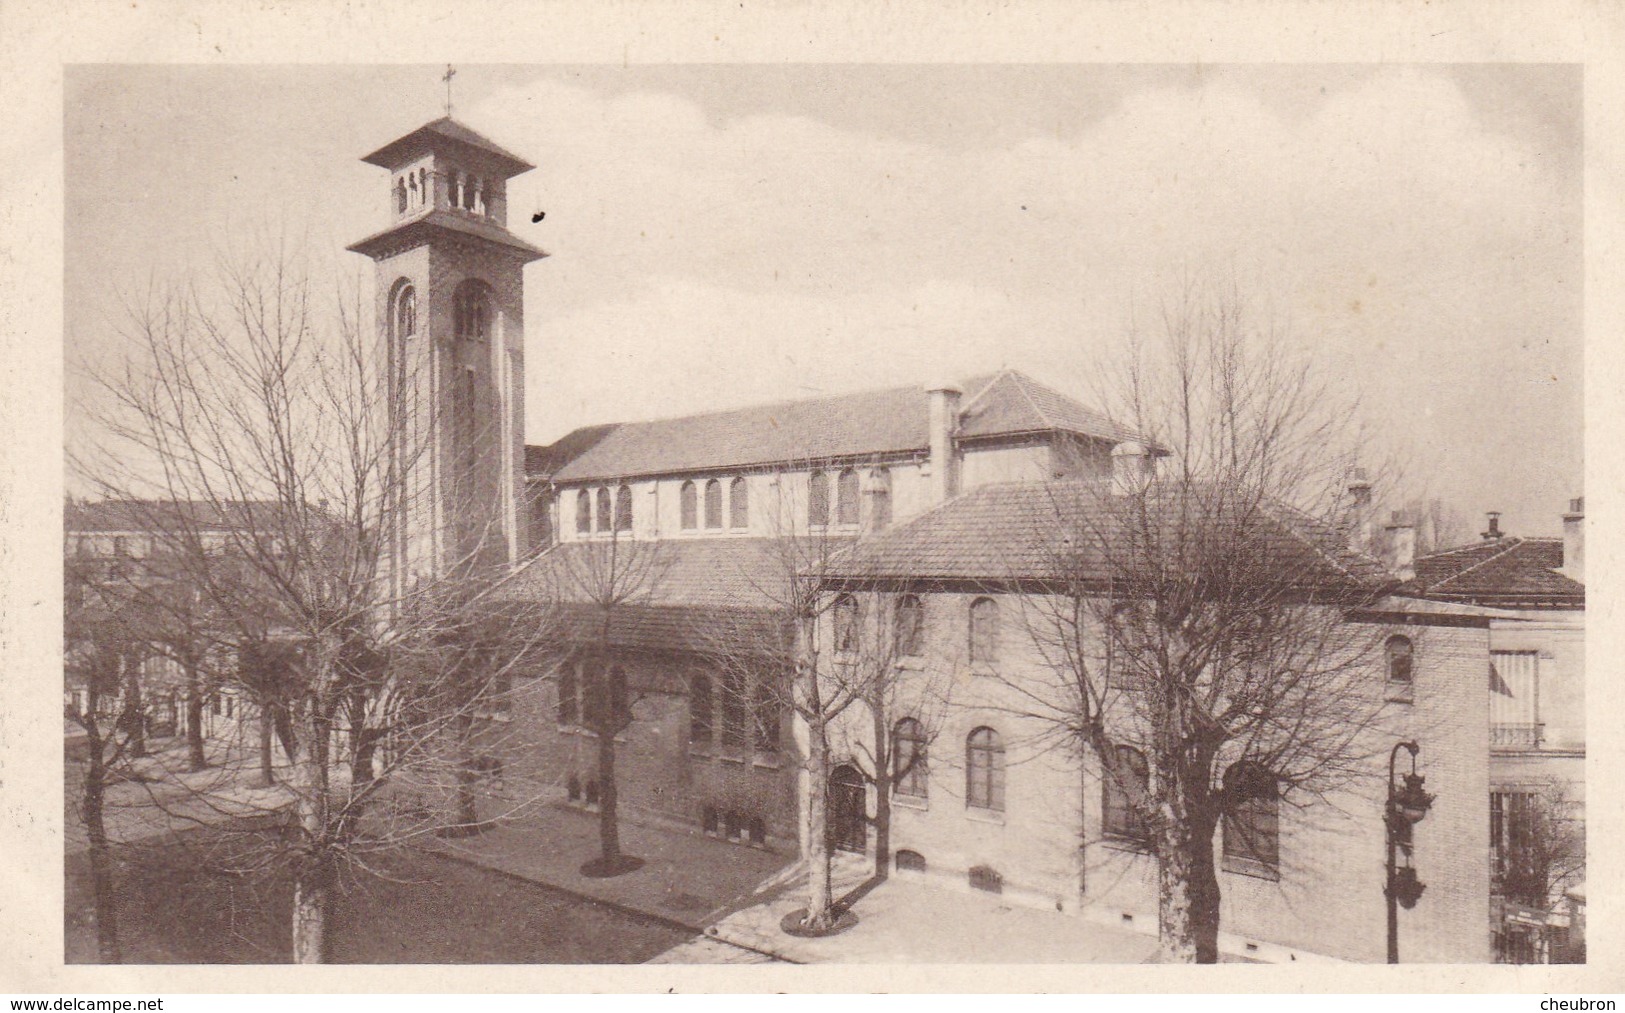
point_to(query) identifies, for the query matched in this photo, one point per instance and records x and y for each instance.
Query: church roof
(1061, 530)
(443, 133)
(867, 423)
(1508, 571)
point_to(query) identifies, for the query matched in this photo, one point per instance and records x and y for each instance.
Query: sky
(733, 234)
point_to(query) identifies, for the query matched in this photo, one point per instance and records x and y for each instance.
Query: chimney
(1131, 469)
(1494, 533)
(944, 421)
(1574, 540)
(1401, 547)
(1359, 511)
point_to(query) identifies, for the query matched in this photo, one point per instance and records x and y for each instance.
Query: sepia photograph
(824, 514)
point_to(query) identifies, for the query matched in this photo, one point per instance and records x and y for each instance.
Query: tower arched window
(818, 499)
(604, 510)
(846, 624)
(471, 311)
(400, 195)
(688, 501)
(984, 770)
(713, 504)
(739, 503)
(623, 509)
(406, 312)
(846, 497)
(583, 512)
(911, 773)
(984, 630)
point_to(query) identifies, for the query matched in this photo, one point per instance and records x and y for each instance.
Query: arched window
(400, 195)
(605, 510)
(984, 770)
(583, 512)
(699, 709)
(734, 710)
(406, 312)
(818, 499)
(846, 624)
(713, 504)
(910, 771)
(1122, 787)
(908, 627)
(1252, 820)
(764, 710)
(910, 861)
(984, 630)
(623, 509)
(688, 504)
(739, 503)
(846, 497)
(880, 499)
(471, 311)
(569, 691)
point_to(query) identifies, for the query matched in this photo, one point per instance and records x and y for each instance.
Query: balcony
(1522, 735)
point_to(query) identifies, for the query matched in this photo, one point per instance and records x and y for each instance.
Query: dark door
(848, 829)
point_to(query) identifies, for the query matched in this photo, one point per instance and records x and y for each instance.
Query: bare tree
(1194, 608)
(287, 460)
(1541, 847)
(609, 579)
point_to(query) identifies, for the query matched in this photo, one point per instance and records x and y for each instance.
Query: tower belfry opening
(451, 311)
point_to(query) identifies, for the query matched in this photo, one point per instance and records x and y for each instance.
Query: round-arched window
(471, 311)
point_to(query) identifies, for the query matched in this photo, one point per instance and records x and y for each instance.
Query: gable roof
(1059, 530)
(868, 423)
(437, 134)
(1508, 571)
(544, 461)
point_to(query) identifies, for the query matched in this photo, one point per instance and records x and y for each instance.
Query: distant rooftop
(866, 423)
(1510, 571)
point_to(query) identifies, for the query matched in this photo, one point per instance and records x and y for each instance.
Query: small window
(688, 501)
(846, 624)
(739, 503)
(846, 497)
(1399, 655)
(984, 631)
(984, 770)
(911, 773)
(1252, 829)
(1121, 788)
(818, 499)
(732, 825)
(880, 499)
(229, 703)
(757, 828)
(986, 879)
(590, 795)
(605, 510)
(710, 819)
(908, 630)
(713, 504)
(583, 512)
(573, 788)
(909, 861)
(623, 509)
(699, 709)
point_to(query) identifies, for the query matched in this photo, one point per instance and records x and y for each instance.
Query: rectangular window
(1515, 699)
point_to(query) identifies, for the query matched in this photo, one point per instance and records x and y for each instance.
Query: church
(668, 550)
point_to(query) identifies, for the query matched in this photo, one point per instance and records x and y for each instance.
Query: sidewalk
(904, 921)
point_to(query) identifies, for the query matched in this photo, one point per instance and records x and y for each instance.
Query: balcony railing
(1504, 735)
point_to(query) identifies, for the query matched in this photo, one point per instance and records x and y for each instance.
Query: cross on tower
(446, 77)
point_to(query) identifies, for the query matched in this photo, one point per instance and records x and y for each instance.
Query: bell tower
(451, 315)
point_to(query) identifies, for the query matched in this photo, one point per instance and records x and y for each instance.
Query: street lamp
(1406, 808)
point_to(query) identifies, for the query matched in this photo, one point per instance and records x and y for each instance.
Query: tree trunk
(311, 890)
(1204, 888)
(267, 775)
(883, 786)
(1176, 935)
(132, 714)
(820, 888)
(195, 759)
(101, 858)
(609, 831)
